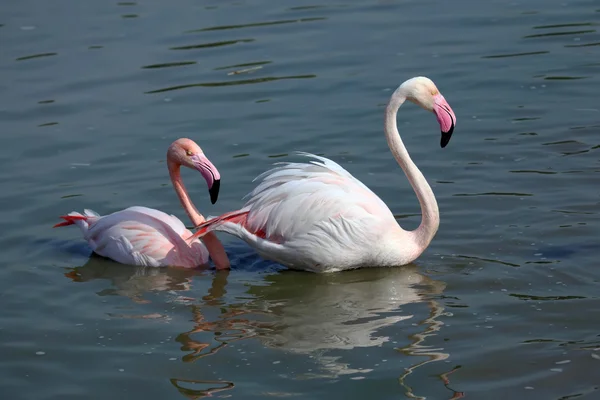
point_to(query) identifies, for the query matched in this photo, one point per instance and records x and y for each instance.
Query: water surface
(501, 305)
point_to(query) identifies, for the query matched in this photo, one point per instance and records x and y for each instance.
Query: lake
(502, 305)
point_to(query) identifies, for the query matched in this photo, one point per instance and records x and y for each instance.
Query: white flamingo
(148, 237)
(316, 216)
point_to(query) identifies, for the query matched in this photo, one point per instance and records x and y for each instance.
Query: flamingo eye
(189, 153)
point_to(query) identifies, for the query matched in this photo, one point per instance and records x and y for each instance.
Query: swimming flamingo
(316, 216)
(148, 237)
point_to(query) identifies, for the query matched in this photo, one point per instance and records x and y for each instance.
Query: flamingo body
(318, 217)
(140, 236)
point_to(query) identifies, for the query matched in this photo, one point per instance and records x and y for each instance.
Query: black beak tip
(214, 191)
(446, 137)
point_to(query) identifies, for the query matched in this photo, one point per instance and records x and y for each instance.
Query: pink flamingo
(316, 216)
(148, 237)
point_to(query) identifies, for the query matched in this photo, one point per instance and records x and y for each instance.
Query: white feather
(316, 216)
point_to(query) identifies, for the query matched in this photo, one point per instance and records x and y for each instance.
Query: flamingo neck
(430, 215)
(184, 198)
(212, 243)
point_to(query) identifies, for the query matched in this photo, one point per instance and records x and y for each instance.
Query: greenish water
(503, 304)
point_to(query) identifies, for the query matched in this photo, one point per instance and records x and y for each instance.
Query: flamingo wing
(296, 199)
(144, 236)
(309, 216)
(314, 216)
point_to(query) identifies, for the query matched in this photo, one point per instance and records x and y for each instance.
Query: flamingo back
(143, 236)
(297, 199)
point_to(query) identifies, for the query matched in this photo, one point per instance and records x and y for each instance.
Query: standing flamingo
(148, 237)
(316, 216)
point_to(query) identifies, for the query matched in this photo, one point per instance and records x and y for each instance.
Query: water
(504, 302)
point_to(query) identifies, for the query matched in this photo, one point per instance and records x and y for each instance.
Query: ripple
(40, 55)
(530, 53)
(583, 45)
(561, 142)
(243, 65)
(559, 33)
(492, 194)
(572, 153)
(521, 119)
(212, 44)
(565, 25)
(584, 127)
(573, 212)
(299, 8)
(574, 145)
(564, 78)
(545, 298)
(528, 134)
(257, 24)
(169, 65)
(245, 71)
(231, 83)
(488, 260)
(533, 171)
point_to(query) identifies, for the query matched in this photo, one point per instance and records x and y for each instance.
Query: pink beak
(210, 173)
(445, 117)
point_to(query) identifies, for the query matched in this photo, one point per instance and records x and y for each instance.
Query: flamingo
(317, 217)
(147, 237)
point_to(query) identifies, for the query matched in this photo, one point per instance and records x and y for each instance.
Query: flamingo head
(187, 153)
(423, 92)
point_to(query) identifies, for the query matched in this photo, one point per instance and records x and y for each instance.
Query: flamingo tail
(71, 218)
(236, 217)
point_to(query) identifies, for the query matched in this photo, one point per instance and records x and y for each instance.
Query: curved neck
(184, 198)
(213, 244)
(430, 219)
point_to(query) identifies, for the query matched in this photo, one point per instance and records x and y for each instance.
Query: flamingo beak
(214, 191)
(446, 137)
(210, 173)
(445, 117)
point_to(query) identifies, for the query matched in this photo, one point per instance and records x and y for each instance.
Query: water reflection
(226, 329)
(214, 387)
(417, 347)
(304, 314)
(318, 315)
(339, 311)
(130, 281)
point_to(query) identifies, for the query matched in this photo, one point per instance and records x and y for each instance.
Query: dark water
(503, 305)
